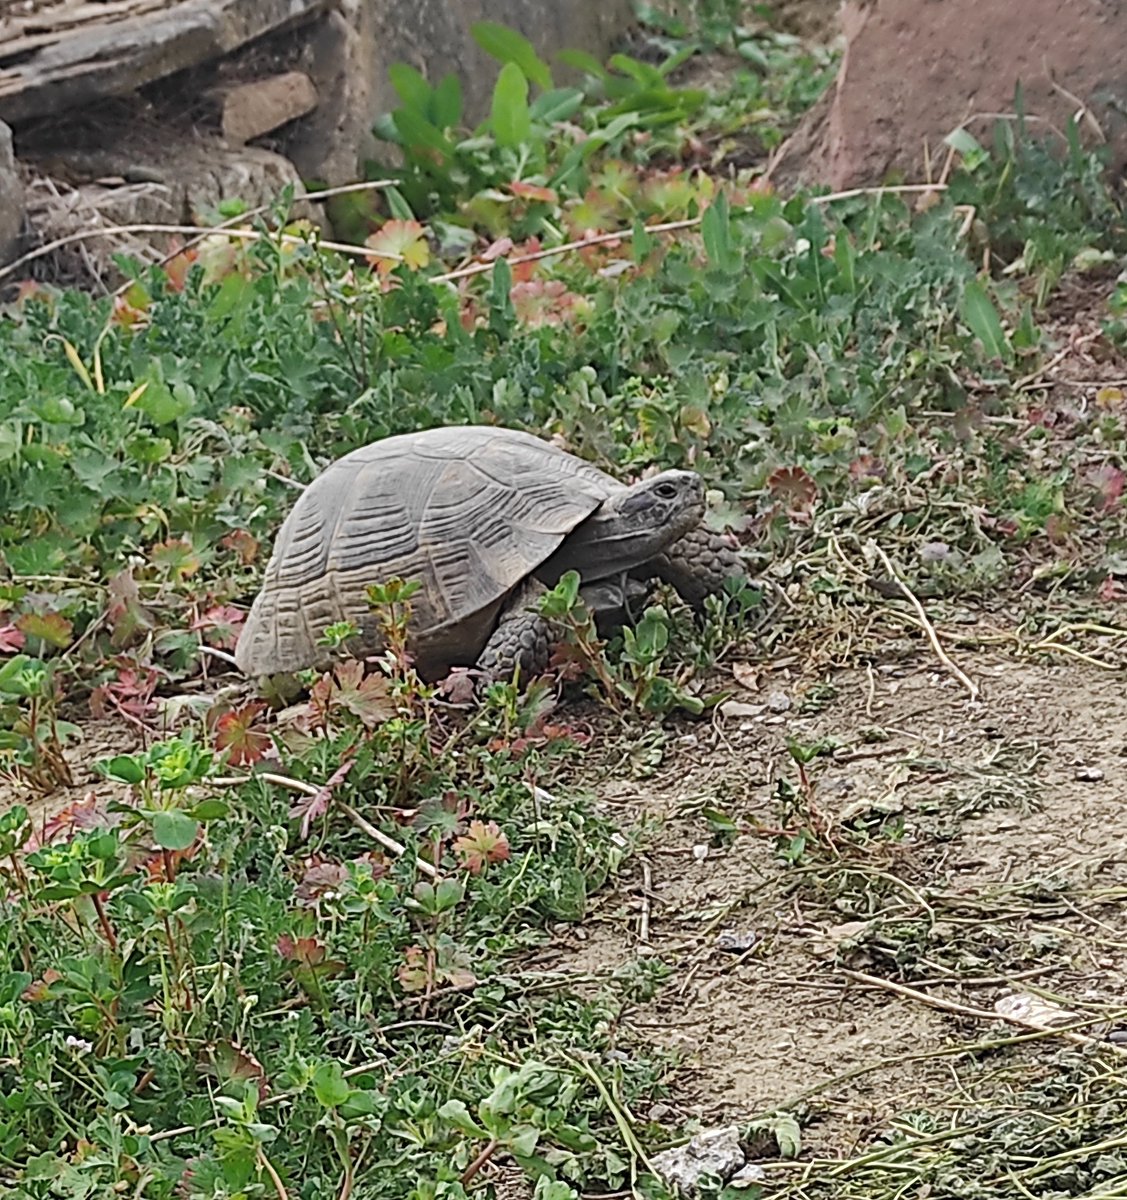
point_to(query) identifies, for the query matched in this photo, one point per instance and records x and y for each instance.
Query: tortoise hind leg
(522, 641)
(697, 566)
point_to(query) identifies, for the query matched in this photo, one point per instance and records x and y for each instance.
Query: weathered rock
(188, 181)
(68, 53)
(913, 72)
(11, 198)
(263, 105)
(712, 1154)
(339, 56)
(434, 36)
(210, 174)
(351, 48)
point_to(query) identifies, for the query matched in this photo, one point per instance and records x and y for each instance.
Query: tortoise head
(630, 527)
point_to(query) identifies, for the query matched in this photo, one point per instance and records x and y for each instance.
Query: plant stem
(104, 921)
(479, 1162)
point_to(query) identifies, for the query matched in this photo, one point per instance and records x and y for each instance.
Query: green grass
(226, 988)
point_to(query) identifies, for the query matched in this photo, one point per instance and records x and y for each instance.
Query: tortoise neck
(600, 550)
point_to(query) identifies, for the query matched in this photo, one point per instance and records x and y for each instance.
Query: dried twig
(1082, 109)
(624, 235)
(929, 629)
(1034, 377)
(247, 235)
(599, 239)
(1068, 1032)
(275, 1178)
(226, 229)
(644, 916)
(215, 652)
(241, 218)
(309, 789)
(388, 843)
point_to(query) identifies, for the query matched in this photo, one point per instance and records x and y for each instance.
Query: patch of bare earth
(100, 738)
(974, 850)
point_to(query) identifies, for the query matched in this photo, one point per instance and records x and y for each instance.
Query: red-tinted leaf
(235, 732)
(1058, 528)
(230, 1063)
(1109, 482)
(452, 966)
(413, 973)
(458, 686)
(865, 466)
(567, 662)
(375, 862)
(222, 624)
(128, 313)
(307, 951)
(177, 268)
(533, 191)
(459, 977)
(163, 867)
(1112, 591)
(542, 302)
(368, 698)
(126, 614)
(87, 813)
(11, 639)
(794, 488)
(28, 290)
(130, 693)
(548, 733)
(496, 250)
(524, 271)
(241, 543)
(320, 877)
(481, 845)
(314, 807)
(320, 703)
(40, 989)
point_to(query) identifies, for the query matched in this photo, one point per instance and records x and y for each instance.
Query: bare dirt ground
(815, 20)
(976, 850)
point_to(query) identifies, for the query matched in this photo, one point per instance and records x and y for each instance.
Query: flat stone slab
(58, 55)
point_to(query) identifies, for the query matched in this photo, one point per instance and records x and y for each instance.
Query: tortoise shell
(469, 511)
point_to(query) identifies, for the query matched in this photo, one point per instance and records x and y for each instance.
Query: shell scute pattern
(468, 511)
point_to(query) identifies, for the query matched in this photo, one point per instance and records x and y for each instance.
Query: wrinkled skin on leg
(696, 566)
(522, 640)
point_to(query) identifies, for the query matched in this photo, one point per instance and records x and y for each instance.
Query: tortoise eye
(667, 491)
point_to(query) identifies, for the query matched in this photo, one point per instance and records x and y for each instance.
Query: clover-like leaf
(398, 242)
(50, 627)
(481, 845)
(236, 733)
(174, 830)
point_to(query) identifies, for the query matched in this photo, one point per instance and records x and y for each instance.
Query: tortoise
(487, 519)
